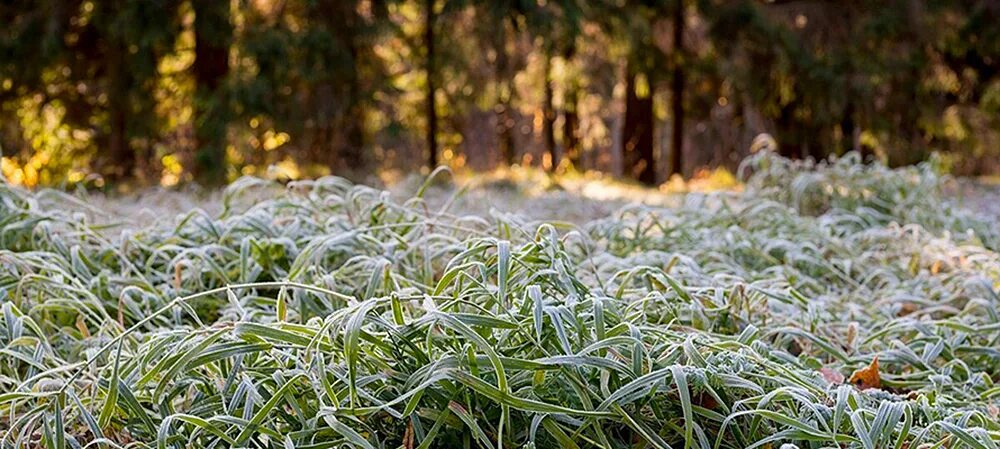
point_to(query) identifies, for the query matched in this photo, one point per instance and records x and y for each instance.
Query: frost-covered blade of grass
(324, 314)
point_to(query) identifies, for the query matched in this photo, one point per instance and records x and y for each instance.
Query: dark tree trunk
(571, 125)
(677, 88)
(505, 137)
(120, 164)
(211, 66)
(571, 121)
(637, 131)
(549, 117)
(850, 132)
(432, 125)
(120, 160)
(788, 143)
(352, 154)
(347, 137)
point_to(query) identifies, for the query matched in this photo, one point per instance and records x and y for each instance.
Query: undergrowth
(829, 305)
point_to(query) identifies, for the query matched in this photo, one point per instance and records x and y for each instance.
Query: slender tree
(571, 119)
(549, 114)
(119, 162)
(350, 32)
(504, 118)
(556, 25)
(677, 92)
(504, 17)
(213, 33)
(126, 39)
(632, 23)
(431, 101)
(637, 129)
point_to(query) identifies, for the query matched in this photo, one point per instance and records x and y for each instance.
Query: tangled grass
(324, 314)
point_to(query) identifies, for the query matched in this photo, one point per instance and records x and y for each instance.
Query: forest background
(146, 92)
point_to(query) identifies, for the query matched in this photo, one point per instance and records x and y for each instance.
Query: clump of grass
(872, 192)
(324, 314)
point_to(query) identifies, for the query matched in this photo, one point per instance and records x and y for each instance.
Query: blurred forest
(136, 92)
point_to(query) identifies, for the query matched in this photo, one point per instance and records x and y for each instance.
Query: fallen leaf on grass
(852, 334)
(867, 377)
(906, 309)
(408, 436)
(178, 276)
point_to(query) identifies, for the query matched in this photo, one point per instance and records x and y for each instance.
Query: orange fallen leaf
(867, 377)
(832, 376)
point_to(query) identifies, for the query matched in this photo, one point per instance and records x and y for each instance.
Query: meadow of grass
(833, 305)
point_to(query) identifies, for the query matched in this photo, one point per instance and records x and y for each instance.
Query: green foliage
(324, 314)
(887, 72)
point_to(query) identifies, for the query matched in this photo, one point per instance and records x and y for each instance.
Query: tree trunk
(549, 117)
(571, 125)
(571, 121)
(213, 33)
(120, 160)
(120, 164)
(341, 19)
(432, 160)
(848, 130)
(505, 124)
(637, 131)
(677, 88)
(788, 143)
(352, 154)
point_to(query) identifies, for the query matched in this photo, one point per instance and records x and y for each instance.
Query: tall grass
(324, 314)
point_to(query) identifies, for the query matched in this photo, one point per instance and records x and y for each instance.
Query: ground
(576, 201)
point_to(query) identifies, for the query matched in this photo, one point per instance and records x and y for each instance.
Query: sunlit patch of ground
(526, 192)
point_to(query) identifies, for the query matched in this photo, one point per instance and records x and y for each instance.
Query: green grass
(323, 315)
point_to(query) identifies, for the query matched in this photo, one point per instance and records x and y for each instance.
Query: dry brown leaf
(852, 334)
(178, 273)
(832, 376)
(705, 400)
(408, 436)
(82, 326)
(867, 377)
(121, 307)
(906, 309)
